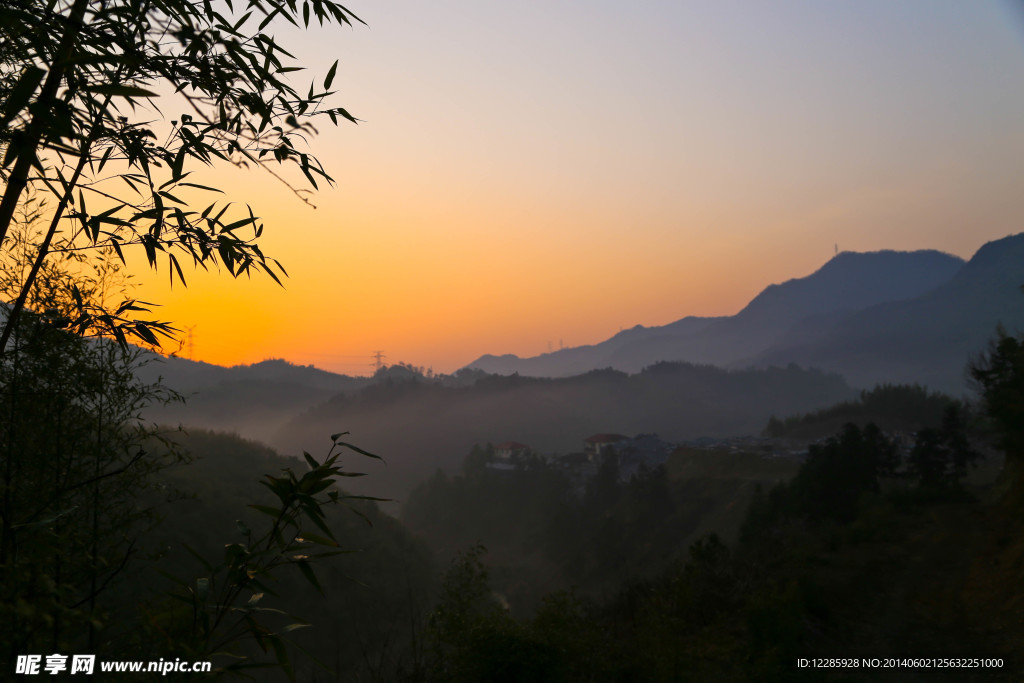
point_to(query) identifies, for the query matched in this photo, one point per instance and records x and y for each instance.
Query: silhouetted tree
(72, 74)
(940, 457)
(999, 374)
(75, 456)
(840, 471)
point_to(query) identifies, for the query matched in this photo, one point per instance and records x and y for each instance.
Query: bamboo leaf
(307, 572)
(120, 90)
(330, 75)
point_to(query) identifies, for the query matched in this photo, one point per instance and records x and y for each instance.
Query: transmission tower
(190, 342)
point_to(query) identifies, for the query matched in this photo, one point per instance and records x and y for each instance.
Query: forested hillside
(866, 553)
(440, 424)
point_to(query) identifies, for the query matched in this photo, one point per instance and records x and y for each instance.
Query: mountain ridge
(848, 282)
(928, 339)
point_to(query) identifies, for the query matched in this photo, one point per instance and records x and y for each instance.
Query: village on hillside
(632, 455)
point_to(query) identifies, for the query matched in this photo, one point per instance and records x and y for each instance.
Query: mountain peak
(1008, 250)
(848, 282)
(853, 280)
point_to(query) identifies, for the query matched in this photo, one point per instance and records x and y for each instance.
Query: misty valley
(834, 472)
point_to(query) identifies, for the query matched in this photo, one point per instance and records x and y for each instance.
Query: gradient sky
(535, 174)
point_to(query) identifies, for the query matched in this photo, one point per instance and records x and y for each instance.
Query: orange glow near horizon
(525, 178)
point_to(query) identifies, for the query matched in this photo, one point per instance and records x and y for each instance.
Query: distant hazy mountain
(188, 375)
(251, 400)
(848, 283)
(580, 359)
(929, 338)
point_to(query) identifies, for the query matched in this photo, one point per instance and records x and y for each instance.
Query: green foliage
(472, 637)
(80, 478)
(88, 297)
(506, 509)
(476, 462)
(227, 601)
(548, 529)
(110, 107)
(84, 85)
(375, 592)
(846, 469)
(466, 601)
(75, 455)
(867, 578)
(999, 374)
(940, 457)
(890, 406)
(871, 550)
(840, 471)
